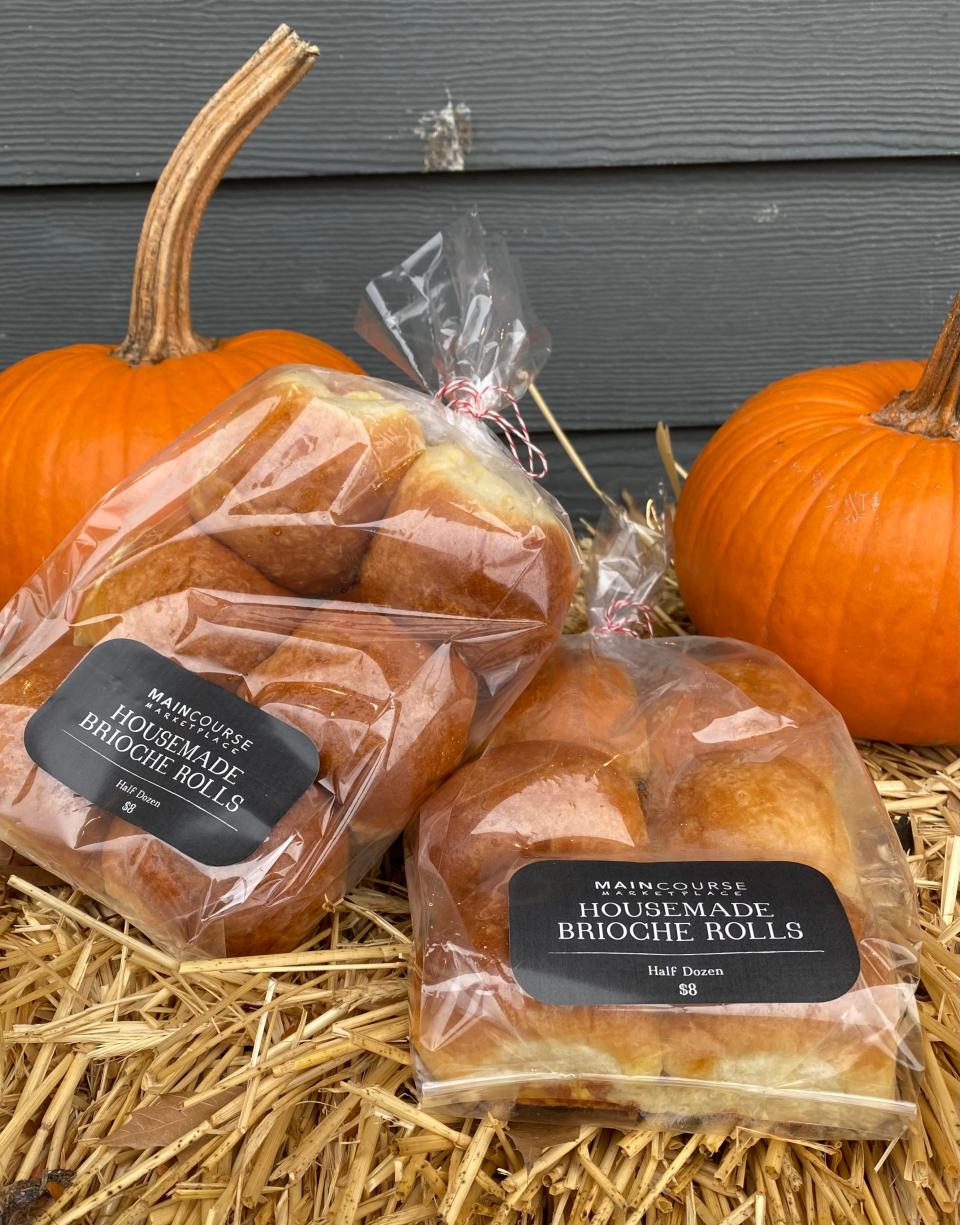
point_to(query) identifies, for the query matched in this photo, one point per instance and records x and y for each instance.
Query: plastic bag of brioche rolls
(666, 891)
(233, 685)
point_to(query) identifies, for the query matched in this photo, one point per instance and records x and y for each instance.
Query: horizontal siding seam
(241, 180)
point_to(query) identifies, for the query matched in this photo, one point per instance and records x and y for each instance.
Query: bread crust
(164, 560)
(317, 469)
(45, 818)
(582, 697)
(459, 539)
(390, 715)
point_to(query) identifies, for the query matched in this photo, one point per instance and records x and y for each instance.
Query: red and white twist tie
(483, 404)
(614, 624)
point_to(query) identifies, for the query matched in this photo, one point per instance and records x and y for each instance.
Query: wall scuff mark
(447, 135)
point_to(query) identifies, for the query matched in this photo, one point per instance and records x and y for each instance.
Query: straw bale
(143, 1091)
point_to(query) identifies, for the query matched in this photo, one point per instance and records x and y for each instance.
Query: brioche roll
(724, 806)
(581, 697)
(771, 684)
(160, 562)
(268, 903)
(389, 714)
(217, 638)
(800, 1060)
(691, 711)
(459, 538)
(472, 1022)
(483, 1044)
(298, 494)
(42, 818)
(536, 800)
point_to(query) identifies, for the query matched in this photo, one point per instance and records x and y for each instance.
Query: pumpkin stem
(160, 324)
(933, 407)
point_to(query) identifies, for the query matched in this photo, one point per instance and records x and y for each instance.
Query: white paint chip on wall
(447, 135)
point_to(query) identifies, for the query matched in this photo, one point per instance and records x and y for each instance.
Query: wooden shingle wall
(704, 195)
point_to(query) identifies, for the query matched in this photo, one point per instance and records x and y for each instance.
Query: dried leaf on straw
(165, 1120)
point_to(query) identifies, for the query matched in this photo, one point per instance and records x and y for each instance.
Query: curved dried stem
(933, 407)
(160, 324)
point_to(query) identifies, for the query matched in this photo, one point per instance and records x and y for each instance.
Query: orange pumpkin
(75, 421)
(823, 521)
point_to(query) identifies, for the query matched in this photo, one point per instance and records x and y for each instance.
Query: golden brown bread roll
(160, 562)
(773, 686)
(535, 800)
(268, 903)
(770, 684)
(389, 714)
(219, 638)
(800, 1058)
(460, 539)
(38, 814)
(287, 492)
(582, 697)
(471, 1020)
(477, 1025)
(687, 708)
(724, 806)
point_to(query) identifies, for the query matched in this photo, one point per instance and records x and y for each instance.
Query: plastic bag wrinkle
(266, 518)
(730, 757)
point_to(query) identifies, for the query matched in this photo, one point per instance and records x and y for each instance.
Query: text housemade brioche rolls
(268, 902)
(481, 1042)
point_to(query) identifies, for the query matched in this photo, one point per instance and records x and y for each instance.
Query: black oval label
(681, 933)
(144, 738)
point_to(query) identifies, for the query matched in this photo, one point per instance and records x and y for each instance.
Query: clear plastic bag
(236, 681)
(667, 890)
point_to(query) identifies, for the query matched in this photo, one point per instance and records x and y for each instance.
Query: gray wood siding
(617, 461)
(704, 196)
(670, 294)
(98, 90)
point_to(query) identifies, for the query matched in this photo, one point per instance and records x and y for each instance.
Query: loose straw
(567, 445)
(664, 446)
(281, 1089)
(671, 467)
